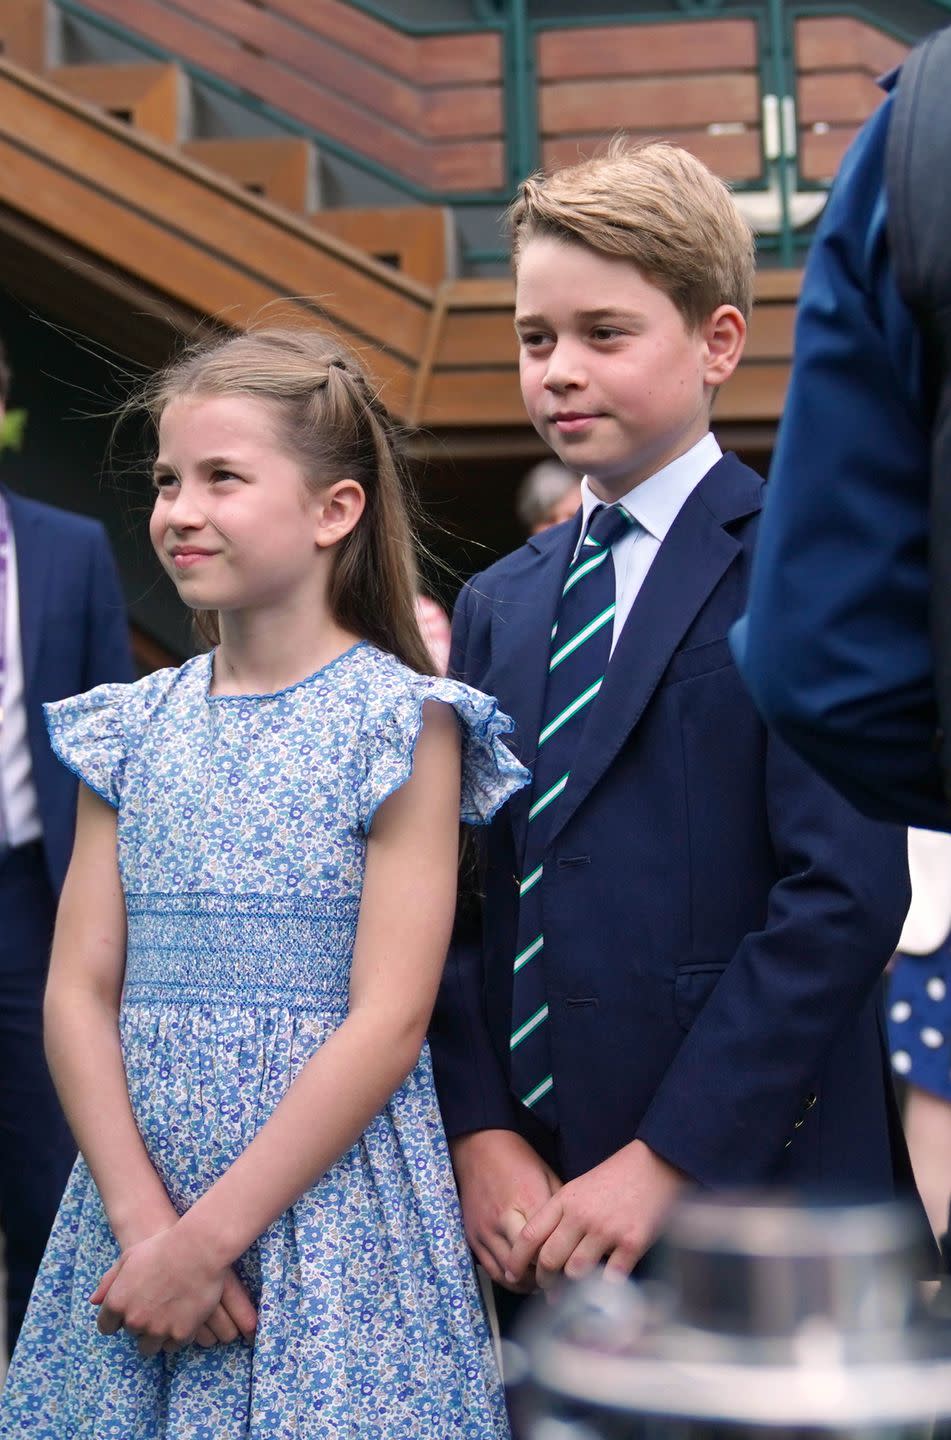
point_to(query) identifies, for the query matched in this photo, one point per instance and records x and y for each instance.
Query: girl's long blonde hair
(330, 419)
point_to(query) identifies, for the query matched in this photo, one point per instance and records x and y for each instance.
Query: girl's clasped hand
(169, 1293)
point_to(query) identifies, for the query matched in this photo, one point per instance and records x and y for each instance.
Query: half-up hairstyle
(331, 421)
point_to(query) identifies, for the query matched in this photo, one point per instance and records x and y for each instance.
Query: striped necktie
(581, 647)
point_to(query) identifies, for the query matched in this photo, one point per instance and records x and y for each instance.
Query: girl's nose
(184, 512)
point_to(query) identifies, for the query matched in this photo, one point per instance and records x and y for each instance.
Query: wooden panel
(455, 114)
(278, 169)
(820, 154)
(146, 96)
(660, 103)
(840, 98)
(477, 165)
(839, 43)
(777, 284)
(604, 50)
(733, 156)
(756, 392)
(473, 397)
(466, 59)
(771, 333)
(479, 293)
(418, 239)
(487, 334)
(23, 32)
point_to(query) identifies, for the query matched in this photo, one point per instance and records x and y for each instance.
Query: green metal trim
(520, 90)
(431, 27)
(488, 257)
(750, 11)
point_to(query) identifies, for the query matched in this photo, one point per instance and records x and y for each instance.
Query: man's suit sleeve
(473, 1094)
(835, 646)
(736, 1087)
(108, 655)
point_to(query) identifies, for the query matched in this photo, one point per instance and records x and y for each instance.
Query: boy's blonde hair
(656, 205)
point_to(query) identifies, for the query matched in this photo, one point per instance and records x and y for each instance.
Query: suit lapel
(521, 648)
(33, 562)
(689, 564)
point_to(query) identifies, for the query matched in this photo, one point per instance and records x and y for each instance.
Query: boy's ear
(340, 507)
(725, 335)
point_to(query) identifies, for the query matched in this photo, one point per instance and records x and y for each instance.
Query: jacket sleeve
(736, 1087)
(473, 1093)
(835, 646)
(108, 657)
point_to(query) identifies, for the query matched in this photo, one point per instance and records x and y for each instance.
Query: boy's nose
(564, 371)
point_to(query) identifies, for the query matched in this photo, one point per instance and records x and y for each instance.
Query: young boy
(682, 930)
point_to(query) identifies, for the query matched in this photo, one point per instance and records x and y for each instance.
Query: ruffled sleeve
(93, 734)
(490, 772)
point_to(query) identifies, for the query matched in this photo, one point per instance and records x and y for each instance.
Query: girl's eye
(220, 475)
(163, 482)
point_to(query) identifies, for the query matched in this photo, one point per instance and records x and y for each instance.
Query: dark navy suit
(716, 918)
(73, 635)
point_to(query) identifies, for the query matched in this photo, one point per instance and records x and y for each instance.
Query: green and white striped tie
(581, 646)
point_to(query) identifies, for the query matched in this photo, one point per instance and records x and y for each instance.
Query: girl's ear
(339, 508)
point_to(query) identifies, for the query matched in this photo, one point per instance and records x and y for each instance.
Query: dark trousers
(36, 1147)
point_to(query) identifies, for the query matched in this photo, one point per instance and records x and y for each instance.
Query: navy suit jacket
(716, 918)
(73, 635)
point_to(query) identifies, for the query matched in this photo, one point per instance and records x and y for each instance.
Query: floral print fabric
(242, 825)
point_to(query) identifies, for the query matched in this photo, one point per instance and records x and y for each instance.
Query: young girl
(247, 952)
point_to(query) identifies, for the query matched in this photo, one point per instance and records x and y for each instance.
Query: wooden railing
(428, 108)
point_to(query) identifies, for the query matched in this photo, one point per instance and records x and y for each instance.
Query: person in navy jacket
(63, 630)
(710, 920)
(836, 645)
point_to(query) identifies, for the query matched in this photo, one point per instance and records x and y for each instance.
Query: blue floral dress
(242, 825)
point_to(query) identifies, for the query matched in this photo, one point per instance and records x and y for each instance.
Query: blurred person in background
(62, 629)
(548, 495)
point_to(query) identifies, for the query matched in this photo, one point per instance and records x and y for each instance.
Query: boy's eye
(534, 339)
(605, 332)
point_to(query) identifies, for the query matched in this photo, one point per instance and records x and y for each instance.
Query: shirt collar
(656, 502)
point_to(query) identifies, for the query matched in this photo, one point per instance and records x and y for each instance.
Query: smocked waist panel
(244, 948)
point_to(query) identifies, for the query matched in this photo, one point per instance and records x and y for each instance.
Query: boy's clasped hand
(527, 1229)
